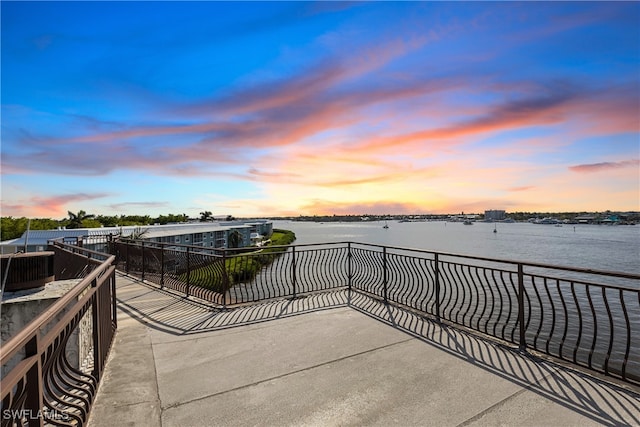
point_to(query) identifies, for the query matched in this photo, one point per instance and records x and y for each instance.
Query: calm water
(601, 247)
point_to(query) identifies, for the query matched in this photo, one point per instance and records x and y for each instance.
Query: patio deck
(333, 358)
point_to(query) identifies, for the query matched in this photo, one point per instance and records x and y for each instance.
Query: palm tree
(205, 216)
(235, 239)
(137, 233)
(75, 220)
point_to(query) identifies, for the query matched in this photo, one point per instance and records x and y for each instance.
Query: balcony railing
(42, 385)
(584, 317)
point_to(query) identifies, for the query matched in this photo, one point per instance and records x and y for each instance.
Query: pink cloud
(325, 207)
(48, 207)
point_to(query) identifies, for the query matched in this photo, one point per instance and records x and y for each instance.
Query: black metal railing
(582, 316)
(42, 385)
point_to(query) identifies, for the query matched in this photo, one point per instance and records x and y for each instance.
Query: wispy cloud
(523, 188)
(604, 166)
(127, 205)
(325, 207)
(366, 105)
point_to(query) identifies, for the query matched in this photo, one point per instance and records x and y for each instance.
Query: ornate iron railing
(42, 386)
(582, 316)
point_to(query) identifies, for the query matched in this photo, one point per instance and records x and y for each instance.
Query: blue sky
(287, 108)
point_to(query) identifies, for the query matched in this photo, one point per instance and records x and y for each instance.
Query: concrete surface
(330, 359)
(19, 308)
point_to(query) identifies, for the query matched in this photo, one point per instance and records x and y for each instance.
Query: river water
(599, 247)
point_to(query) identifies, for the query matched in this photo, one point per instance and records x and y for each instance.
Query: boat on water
(467, 222)
(385, 225)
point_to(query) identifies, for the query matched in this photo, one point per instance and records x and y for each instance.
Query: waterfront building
(206, 234)
(494, 215)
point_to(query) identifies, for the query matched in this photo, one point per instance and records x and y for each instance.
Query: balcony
(331, 358)
(366, 335)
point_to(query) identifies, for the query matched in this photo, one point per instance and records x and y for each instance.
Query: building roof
(41, 237)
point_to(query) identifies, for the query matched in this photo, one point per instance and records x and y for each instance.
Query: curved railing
(582, 316)
(42, 385)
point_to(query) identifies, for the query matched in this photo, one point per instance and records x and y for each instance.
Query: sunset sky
(288, 108)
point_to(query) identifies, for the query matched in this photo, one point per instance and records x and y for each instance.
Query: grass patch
(282, 237)
(241, 267)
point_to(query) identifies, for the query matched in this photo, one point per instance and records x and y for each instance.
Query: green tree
(76, 220)
(137, 233)
(205, 216)
(171, 218)
(235, 239)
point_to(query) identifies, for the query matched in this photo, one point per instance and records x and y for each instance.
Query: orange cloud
(326, 207)
(524, 188)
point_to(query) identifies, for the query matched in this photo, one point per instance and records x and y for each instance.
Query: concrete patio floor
(330, 359)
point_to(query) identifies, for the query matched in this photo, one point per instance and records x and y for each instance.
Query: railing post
(349, 265)
(97, 331)
(143, 261)
(161, 266)
(523, 341)
(437, 268)
(188, 270)
(114, 301)
(128, 259)
(384, 273)
(225, 277)
(33, 403)
(293, 269)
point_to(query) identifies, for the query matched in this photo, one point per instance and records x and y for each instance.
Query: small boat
(467, 222)
(385, 225)
(495, 228)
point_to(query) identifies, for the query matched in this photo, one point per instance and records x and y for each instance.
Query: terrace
(357, 334)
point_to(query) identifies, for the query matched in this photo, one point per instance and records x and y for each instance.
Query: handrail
(417, 250)
(45, 386)
(31, 328)
(508, 261)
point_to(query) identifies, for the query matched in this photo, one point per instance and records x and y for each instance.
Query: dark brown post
(437, 284)
(128, 243)
(143, 261)
(114, 302)
(293, 269)
(161, 266)
(188, 270)
(225, 277)
(384, 273)
(33, 403)
(349, 265)
(97, 331)
(523, 341)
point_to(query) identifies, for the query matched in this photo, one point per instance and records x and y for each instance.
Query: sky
(257, 109)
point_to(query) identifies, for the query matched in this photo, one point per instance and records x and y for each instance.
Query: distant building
(494, 215)
(205, 234)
